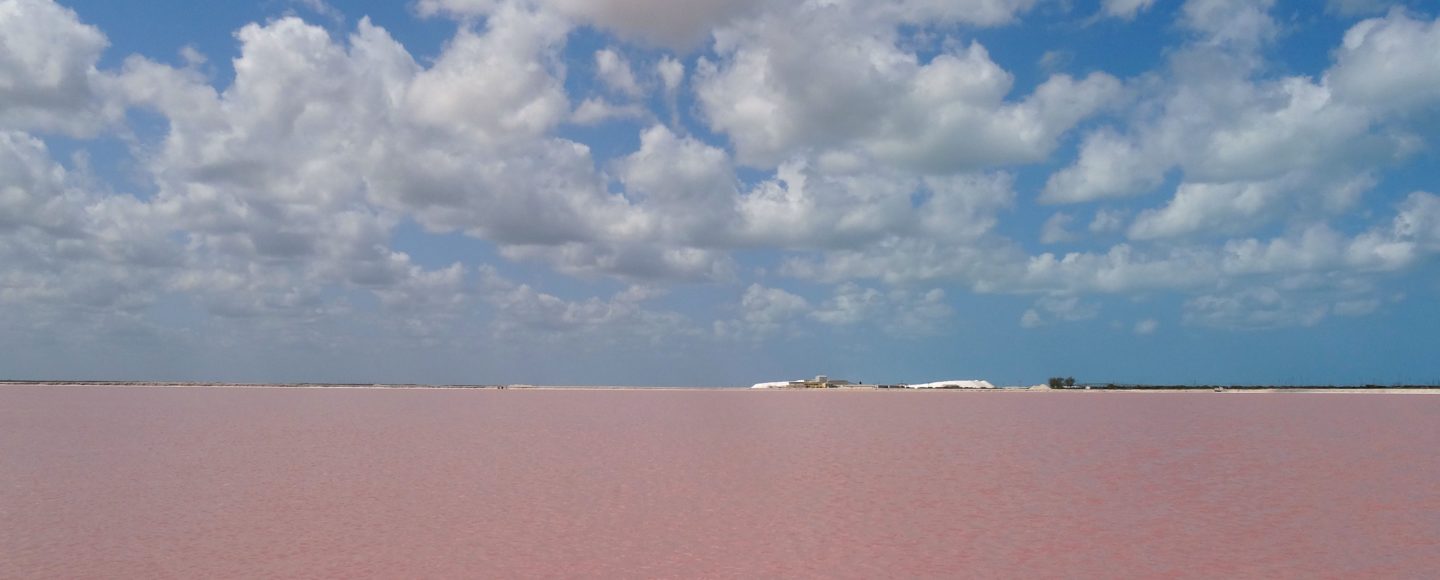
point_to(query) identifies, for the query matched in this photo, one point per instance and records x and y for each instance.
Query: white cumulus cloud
(48, 75)
(1126, 9)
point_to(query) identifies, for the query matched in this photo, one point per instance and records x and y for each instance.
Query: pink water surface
(218, 482)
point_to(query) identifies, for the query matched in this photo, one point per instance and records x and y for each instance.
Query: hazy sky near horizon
(719, 192)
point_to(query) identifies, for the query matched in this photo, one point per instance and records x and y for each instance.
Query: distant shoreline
(1405, 389)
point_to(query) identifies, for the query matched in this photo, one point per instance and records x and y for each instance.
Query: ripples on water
(182, 483)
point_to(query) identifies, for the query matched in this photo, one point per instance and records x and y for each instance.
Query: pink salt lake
(108, 482)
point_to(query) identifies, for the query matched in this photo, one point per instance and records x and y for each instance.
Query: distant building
(819, 382)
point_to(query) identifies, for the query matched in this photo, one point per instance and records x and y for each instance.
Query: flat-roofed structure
(819, 382)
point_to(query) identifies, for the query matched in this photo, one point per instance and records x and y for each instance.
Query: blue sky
(718, 193)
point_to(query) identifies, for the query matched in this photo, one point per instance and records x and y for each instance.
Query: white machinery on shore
(824, 382)
(960, 384)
